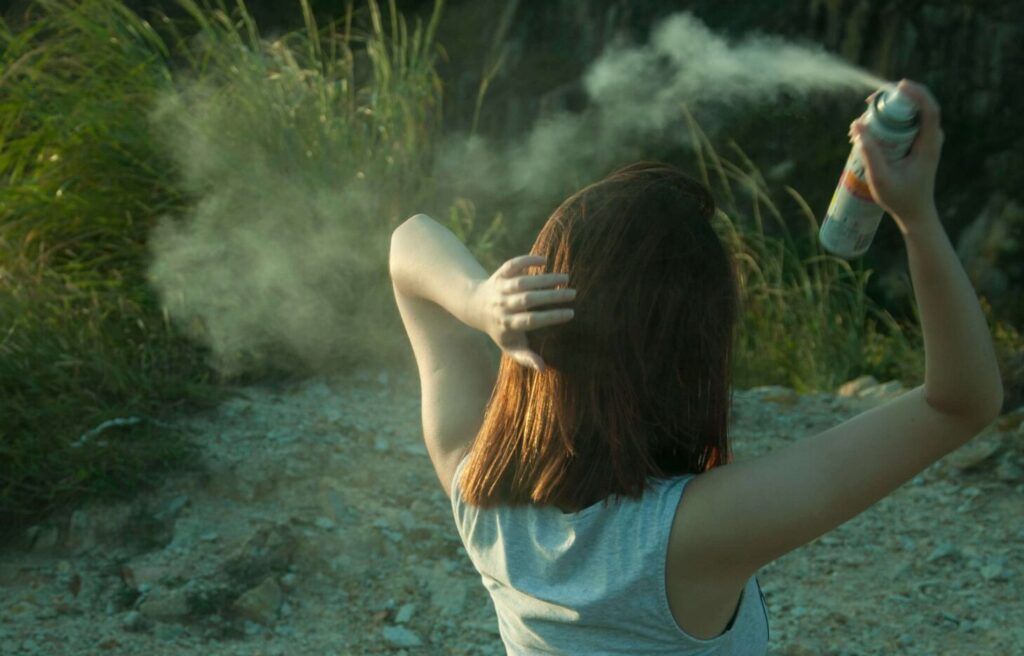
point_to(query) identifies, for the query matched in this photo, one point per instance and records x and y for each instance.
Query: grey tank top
(593, 582)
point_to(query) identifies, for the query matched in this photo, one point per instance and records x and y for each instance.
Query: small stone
(80, 531)
(995, 569)
(260, 604)
(943, 550)
(173, 507)
(46, 539)
(973, 454)
(855, 386)
(776, 394)
(288, 581)
(401, 637)
(169, 632)
(405, 613)
(209, 536)
(107, 643)
(882, 391)
(165, 604)
(381, 445)
(324, 523)
(1009, 472)
(132, 620)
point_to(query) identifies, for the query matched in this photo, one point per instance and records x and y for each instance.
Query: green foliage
(83, 338)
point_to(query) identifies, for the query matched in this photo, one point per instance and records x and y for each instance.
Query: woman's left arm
(450, 306)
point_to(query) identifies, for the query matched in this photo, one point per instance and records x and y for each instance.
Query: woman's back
(593, 581)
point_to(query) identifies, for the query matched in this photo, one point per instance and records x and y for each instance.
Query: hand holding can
(905, 187)
(889, 127)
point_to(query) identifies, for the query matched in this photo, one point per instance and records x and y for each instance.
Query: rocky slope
(317, 527)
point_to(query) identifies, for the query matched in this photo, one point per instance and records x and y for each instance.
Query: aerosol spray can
(853, 217)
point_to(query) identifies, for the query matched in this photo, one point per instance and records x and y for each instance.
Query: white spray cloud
(273, 262)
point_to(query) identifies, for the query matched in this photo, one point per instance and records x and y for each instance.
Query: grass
(88, 177)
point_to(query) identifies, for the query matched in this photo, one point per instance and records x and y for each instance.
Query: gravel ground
(317, 527)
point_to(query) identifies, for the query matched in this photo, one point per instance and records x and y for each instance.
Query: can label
(852, 217)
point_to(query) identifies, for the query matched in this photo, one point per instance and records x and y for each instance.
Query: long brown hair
(638, 384)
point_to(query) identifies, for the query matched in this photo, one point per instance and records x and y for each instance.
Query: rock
(169, 632)
(405, 613)
(987, 245)
(133, 621)
(1011, 421)
(401, 637)
(81, 536)
(288, 581)
(332, 501)
(260, 604)
(855, 386)
(173, 507)
(324, 523)
(108, 643)
(943, 550)
(995, 569)
(775, 394)
(882, 392)
(1009, 472)
(47, 539)
(270, 550)
(165, 605)
(973, 454)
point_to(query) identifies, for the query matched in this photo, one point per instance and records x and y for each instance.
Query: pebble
(943, 550)
(132, 620)
(855, 386)
(325, 523)
(401, 637)
(405, 613)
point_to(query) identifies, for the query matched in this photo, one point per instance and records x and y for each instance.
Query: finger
(528, 300)
(929, 138)
(541, 319)
(876, 167)
(539, 281)
(517, 264)
(528, 358)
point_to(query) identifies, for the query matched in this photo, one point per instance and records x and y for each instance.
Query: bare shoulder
(736, 518)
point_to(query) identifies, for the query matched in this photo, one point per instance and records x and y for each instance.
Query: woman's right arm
(736, 518)
(961, 371)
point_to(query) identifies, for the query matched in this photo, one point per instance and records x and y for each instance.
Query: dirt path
(318, 528)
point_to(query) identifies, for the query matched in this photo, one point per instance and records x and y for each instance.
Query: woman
(567, 466)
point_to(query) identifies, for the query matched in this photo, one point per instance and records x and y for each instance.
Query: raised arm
(450, 306)
(737, 518)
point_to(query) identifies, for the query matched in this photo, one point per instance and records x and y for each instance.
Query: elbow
(399, 237)
(983, 409)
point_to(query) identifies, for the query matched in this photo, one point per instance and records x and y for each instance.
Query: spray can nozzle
(895, 108)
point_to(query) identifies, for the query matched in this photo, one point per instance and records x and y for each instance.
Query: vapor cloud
(269, 265)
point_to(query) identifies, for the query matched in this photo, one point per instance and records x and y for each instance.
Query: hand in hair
(509, 303)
